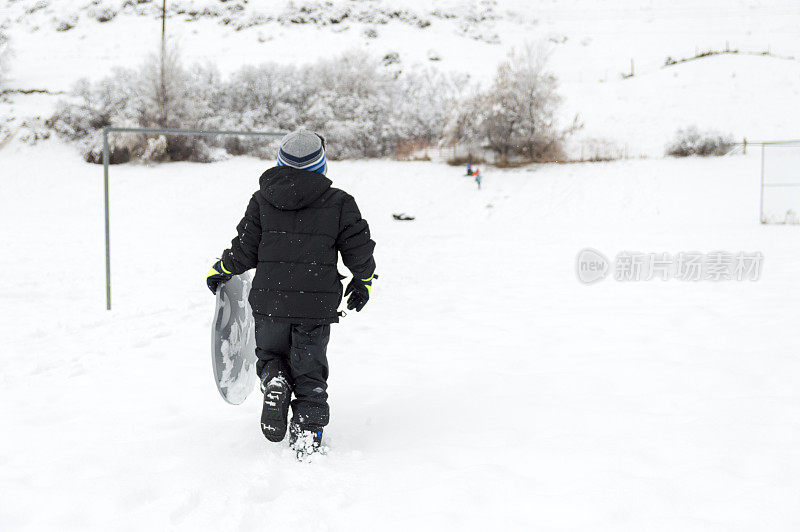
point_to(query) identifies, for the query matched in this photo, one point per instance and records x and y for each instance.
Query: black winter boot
(306, 440)
(275, 410)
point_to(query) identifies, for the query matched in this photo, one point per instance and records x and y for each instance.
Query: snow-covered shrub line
(363, 109)
(361, 106)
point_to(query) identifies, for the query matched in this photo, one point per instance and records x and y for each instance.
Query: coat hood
(290, 189)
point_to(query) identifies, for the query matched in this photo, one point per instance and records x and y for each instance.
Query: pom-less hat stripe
(317, 167)
(300, 160)
(283, 161)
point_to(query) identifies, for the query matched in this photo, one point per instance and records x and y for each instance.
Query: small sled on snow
(233, 340)
(403, 217)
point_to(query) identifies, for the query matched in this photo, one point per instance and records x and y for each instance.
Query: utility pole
(163, 95)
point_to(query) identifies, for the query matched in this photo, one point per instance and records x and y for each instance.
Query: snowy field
(483, 388)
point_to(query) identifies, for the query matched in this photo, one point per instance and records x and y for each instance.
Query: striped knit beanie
(304, 150)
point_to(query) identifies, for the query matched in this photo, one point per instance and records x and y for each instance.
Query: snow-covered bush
(691, 141)
(119, 150)
(32, 131)
(391, 58)
(66, 23)
(102, 13)
(598, 149)
(517, 116)
(39, 5)
(156, 150)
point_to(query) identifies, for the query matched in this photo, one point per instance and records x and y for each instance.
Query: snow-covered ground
(483, 388)
(591, 45)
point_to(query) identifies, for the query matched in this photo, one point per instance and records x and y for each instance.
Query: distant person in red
(477, 176)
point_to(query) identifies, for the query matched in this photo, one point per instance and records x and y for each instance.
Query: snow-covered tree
(517, 115)
(463, 125)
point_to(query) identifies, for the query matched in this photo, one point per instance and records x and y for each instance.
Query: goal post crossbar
(155, 131)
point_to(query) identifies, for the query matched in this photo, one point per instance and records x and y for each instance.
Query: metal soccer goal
(154, 131)
(780, 182)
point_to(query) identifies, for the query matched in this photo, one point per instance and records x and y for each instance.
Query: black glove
(359, 290)
(216, 275)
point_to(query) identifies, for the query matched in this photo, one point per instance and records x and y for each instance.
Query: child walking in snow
(294, 227)
(477, 175)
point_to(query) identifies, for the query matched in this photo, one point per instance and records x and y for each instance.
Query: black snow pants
(299, 353)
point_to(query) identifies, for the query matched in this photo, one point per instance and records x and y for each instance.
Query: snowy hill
(56, 43)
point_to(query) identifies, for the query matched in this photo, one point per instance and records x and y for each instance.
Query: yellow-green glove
(216, 275)
(359, 290)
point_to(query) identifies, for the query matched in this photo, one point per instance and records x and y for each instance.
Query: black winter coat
(291, 233)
